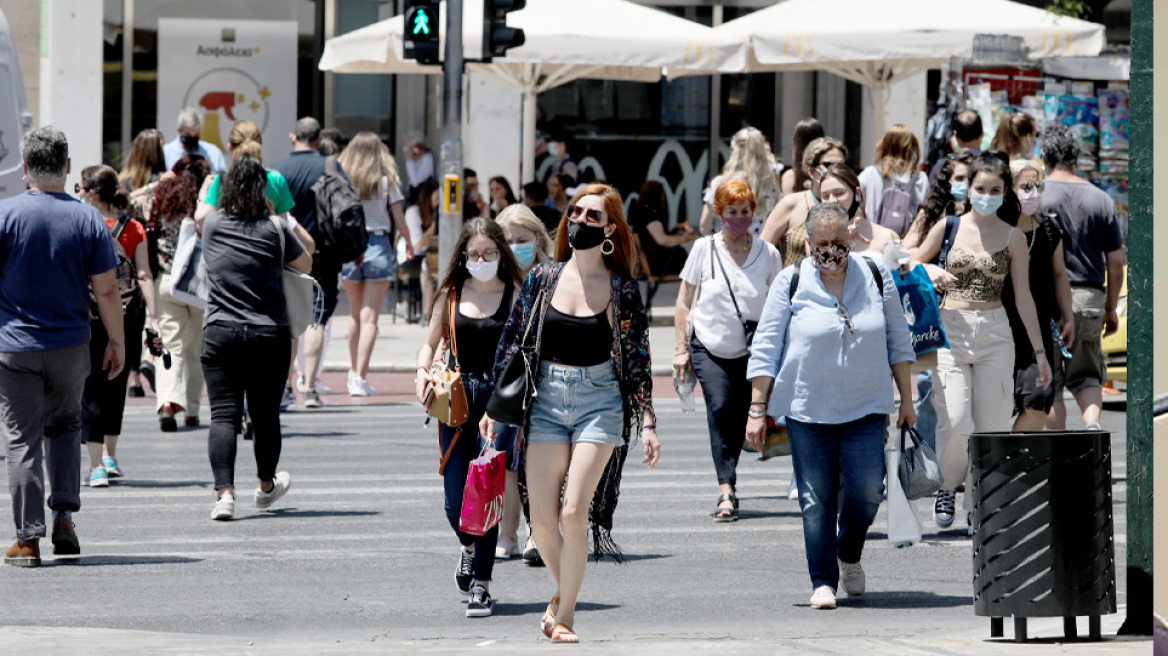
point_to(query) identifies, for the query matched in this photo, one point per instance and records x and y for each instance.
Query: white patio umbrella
(565, 40)
(877, 43)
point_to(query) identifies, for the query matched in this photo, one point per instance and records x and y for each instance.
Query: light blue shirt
(173, 152)
(824, 374)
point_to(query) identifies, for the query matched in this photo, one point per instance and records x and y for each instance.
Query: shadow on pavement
(907, 600)
(124, 482)
(536, 609)
(318, 434)
(759, 514)
(104, 561)
(632, 558)
(296, 512)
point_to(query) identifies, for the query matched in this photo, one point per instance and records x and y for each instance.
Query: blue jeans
(926, 414)
(823, 455)
(469, 445)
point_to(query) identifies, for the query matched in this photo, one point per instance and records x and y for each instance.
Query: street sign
(497, 37)
(421, 31)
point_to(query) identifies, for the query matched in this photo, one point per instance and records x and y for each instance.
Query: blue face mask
(960, 190)
(985, 204)
(524, 254)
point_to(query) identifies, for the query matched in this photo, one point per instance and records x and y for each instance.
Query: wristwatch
(755, 414)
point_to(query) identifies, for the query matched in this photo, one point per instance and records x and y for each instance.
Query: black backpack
(340, 232)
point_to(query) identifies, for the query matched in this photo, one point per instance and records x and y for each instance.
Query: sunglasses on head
(575, 211)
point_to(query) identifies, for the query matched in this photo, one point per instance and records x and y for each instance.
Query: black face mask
(189, 143)
(582, 236)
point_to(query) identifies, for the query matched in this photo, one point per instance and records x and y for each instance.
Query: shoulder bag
(747, 326)
(299, 299)
(446, 398)
(510, 403)
(188, 273)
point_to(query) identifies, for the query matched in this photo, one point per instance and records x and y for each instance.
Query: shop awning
(877, 43)
(1089, 68)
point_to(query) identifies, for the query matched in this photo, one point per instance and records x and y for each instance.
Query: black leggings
(727, 392)
(239, 360)
(103, 401)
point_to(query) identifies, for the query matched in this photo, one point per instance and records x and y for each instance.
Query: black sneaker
(481, 604)
(464, 574)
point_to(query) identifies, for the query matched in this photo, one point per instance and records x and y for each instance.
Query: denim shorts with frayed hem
(378, 265)
(577, 404)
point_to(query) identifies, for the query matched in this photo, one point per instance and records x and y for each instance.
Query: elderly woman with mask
(733, 271)
(831, 330)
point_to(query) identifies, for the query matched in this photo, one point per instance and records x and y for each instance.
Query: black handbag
(748, 326)
(510, 403)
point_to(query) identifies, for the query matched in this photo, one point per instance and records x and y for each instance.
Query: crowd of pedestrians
(788, 296)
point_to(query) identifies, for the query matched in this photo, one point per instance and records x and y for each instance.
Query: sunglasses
(575, 211)
(841, 313)
(1031, 186)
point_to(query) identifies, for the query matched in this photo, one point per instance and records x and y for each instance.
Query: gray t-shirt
(1086, 216)
(244, 269)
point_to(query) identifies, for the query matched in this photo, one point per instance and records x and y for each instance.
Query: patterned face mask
(830, 258)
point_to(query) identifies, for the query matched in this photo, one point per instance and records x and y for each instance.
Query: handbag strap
(449, 450)
(714, 253)
(451, 310)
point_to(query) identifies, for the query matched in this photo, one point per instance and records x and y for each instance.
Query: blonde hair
(522, 217)
(897, 151)
(246, 139)
(1020, 166)
(366, 160)
(751, 159)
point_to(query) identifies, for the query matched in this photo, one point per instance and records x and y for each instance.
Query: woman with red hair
(593, 392)
(724, 287)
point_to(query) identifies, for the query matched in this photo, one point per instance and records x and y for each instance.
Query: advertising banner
(230, 70)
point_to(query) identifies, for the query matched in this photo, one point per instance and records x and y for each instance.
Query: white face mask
(554, 149)
(483, 271)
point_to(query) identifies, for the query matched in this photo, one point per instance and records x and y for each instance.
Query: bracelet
(755, 415)
(649, 427)
(762, 403)
(1039, 351)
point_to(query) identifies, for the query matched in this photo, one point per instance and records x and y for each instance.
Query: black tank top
(576, 341)
(478, 338)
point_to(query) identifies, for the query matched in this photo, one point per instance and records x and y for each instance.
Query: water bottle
(685, 389)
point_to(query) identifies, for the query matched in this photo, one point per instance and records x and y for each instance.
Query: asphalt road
(359, 554)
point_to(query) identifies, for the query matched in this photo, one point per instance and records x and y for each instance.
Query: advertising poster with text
(230, 70)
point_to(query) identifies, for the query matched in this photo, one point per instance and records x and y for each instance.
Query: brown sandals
(562, 634)
(548, 621)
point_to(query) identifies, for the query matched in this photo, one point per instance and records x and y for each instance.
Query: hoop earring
(611, 247)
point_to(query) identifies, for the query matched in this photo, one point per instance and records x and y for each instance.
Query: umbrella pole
(879, 102)
(529, 111)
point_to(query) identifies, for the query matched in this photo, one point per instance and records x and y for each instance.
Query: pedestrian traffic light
(421, 31)
(497, 37)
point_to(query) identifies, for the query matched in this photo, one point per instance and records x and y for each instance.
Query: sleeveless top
(980, 277)
(576, 341)
(477, 338)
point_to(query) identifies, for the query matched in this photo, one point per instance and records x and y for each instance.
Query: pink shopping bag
(482, 498)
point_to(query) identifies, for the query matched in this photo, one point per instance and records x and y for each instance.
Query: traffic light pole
(450, 223)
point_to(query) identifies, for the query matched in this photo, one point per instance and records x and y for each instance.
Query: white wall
(907, 104)
(491, 126)
(71, 79)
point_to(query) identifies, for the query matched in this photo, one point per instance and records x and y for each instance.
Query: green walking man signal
(421, 31)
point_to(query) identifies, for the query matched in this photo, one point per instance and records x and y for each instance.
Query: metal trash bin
(1043, 532)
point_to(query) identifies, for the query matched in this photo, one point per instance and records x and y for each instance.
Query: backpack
(896, 209)
(340, 221)
(867, 260)
(125, 272)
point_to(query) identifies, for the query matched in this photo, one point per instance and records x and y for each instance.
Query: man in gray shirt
(1094, 250)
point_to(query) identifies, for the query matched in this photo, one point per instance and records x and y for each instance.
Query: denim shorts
(378, 265)
(577, 404)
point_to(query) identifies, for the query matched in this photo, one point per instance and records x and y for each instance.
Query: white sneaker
(301, 385)
(321, 388)
(1094, 426)
(280, 487)
(793, 491)
(358, 386)
(312, 399)
(224, 508)
(852, 578)
(823, 598)
(505, 548)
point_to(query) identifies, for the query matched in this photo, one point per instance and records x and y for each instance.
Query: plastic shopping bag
(920, 309)
(904, 527)
(482, 498)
